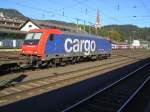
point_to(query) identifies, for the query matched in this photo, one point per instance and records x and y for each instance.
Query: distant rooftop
(13, 19)
(57, 24)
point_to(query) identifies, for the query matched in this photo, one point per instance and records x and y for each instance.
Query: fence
(11, 43)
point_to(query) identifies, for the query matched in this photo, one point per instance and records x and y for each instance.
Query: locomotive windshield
(32, 38)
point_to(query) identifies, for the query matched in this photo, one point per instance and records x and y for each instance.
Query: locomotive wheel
(74, 60)
(53, 61)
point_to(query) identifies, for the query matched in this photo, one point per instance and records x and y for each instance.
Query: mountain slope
(12, 13)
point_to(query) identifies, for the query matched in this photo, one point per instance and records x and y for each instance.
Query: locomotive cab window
(32, 38)
(51, 37)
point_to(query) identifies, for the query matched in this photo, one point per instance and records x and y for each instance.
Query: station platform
(9, 50)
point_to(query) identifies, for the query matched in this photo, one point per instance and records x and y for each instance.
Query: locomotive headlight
(35, 52)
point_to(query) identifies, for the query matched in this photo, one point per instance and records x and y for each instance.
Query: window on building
(30, 26)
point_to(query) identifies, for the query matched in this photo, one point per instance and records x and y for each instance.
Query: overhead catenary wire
(54, 12)
(95, 9)
(88, 8)
(144, 6)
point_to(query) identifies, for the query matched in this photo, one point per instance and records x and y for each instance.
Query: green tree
(115, 36)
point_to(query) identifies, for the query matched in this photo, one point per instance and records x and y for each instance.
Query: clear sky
(136, 12)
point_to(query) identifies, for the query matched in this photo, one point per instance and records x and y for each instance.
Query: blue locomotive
(52, 46)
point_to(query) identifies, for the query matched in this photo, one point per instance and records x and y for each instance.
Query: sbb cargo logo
(77, 45)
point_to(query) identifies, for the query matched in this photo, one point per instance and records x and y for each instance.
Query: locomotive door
(50, 45)
(58, 44)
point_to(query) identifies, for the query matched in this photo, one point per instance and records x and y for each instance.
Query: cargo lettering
(77, 45)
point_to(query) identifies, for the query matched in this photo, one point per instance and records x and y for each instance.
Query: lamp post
(90, 27)
(77, 19)
(84, 25)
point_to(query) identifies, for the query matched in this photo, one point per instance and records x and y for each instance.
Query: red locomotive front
(34, 44)
(30, 44)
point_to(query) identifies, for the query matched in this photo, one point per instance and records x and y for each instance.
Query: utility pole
(97, 22)
(84, 25)
(96, 30)
(77, 24)
(63, 13)
(130, 42)
(90, 24)
(89, 29)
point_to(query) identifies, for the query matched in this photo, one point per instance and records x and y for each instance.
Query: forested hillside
(121, 32)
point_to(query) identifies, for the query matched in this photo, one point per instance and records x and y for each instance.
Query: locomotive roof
(82, 34)
(74, 33)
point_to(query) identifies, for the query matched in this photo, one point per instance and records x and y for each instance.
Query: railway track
(31, 74)
(38, 86)
(16, 64)
(115, 96)
(10, 64)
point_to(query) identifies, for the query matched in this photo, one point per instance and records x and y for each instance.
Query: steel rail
(70, 78)
(108, 87)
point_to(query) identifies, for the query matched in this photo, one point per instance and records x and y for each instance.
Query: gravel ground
(38, 73)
